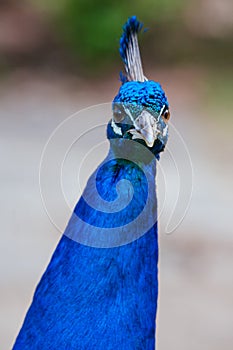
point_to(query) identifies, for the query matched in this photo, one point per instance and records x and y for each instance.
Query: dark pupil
(166, 114)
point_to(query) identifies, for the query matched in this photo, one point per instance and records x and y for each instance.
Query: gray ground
(196, 261)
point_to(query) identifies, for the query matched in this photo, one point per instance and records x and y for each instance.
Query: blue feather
(129, 51)
(93, 298)
(146, 94)
(131, 26)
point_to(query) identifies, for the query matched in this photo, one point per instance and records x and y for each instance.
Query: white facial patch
(165, 130)
(116, 128)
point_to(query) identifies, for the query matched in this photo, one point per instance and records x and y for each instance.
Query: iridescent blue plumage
(100, 288)
(93, 298)
(147, 94)
(129, 51)
(131, 26)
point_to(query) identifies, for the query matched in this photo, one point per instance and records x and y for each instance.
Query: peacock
(100, 288)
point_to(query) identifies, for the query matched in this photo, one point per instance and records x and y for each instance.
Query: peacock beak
(146, 128)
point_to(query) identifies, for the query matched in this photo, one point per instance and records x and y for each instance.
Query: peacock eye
(166, 115)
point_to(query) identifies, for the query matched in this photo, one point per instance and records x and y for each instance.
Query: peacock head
(140, 109)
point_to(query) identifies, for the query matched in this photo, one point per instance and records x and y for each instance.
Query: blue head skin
(140, 109)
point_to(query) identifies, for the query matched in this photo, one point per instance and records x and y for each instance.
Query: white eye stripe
(161, 111)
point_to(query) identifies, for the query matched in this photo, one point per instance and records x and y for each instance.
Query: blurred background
(57, 57)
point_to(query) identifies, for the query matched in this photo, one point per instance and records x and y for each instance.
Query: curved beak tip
(148, 137)
(149, 144)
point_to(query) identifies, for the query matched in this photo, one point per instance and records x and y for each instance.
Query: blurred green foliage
(92, 28)
(89, 30)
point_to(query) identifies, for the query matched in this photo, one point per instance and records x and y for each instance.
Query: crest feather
(129, 50)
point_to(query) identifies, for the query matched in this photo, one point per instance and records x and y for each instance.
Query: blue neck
(91, 298)
(119, 202)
